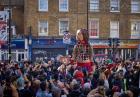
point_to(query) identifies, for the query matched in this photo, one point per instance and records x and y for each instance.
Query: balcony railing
(13, 2)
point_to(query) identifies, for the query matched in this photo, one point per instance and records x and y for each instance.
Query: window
(114, 29)
(94, 28)
(94, 5)
(114, 5)
(63, 5)
(63, 26)
(135, 29)
(43, 28)
(13, 30)
(135, 6)
(43, 5)
(21, 56)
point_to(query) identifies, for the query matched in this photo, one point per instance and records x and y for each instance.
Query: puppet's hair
(85, 34)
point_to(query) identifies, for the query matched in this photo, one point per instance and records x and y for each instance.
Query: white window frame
(18, 53)
(41, 9)
(118, 32)
(132, 4)
(13, 30)
(42, 34)
(94, 19)
(97, 3)
(111, 7)
(63, 10)
(135, 35)
(63, 19)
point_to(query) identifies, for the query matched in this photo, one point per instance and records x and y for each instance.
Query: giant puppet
(82, 52)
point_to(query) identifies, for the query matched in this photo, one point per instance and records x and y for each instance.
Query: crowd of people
(56, 78)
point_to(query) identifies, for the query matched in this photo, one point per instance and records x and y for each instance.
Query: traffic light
(109, 42)
(117, 42)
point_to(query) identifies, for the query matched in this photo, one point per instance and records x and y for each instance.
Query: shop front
(44, 49)
(18, 51)
(127, 48)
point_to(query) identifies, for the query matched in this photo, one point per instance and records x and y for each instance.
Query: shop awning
(100, 46)
(129, 46)
(46, 43)
(15, 44)
(122, 46)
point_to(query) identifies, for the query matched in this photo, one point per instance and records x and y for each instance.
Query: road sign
(67, 38)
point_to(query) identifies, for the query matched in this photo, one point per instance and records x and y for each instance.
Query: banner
(3, 25)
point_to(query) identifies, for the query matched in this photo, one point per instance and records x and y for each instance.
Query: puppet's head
(82, 35)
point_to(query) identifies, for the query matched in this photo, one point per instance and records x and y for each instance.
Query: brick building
(106, 19)
(17, 13)
(46, 21)
(16, 8)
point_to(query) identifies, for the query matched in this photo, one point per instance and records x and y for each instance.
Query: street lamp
(30, 43)
(30, 48)
(9, 31)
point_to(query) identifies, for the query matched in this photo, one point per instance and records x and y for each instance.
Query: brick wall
(17, 17)
(78, 17)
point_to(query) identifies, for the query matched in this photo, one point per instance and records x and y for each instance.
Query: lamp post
(30, 44)
(30, 48)
(9, 31)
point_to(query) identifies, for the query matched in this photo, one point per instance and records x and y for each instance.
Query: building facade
(17, 14)
(45, 22)
(15, 10)
(103, 18)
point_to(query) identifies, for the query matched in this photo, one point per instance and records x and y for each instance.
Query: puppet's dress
(82, 55)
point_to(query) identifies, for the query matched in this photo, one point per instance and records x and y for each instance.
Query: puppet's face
(79, 35)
